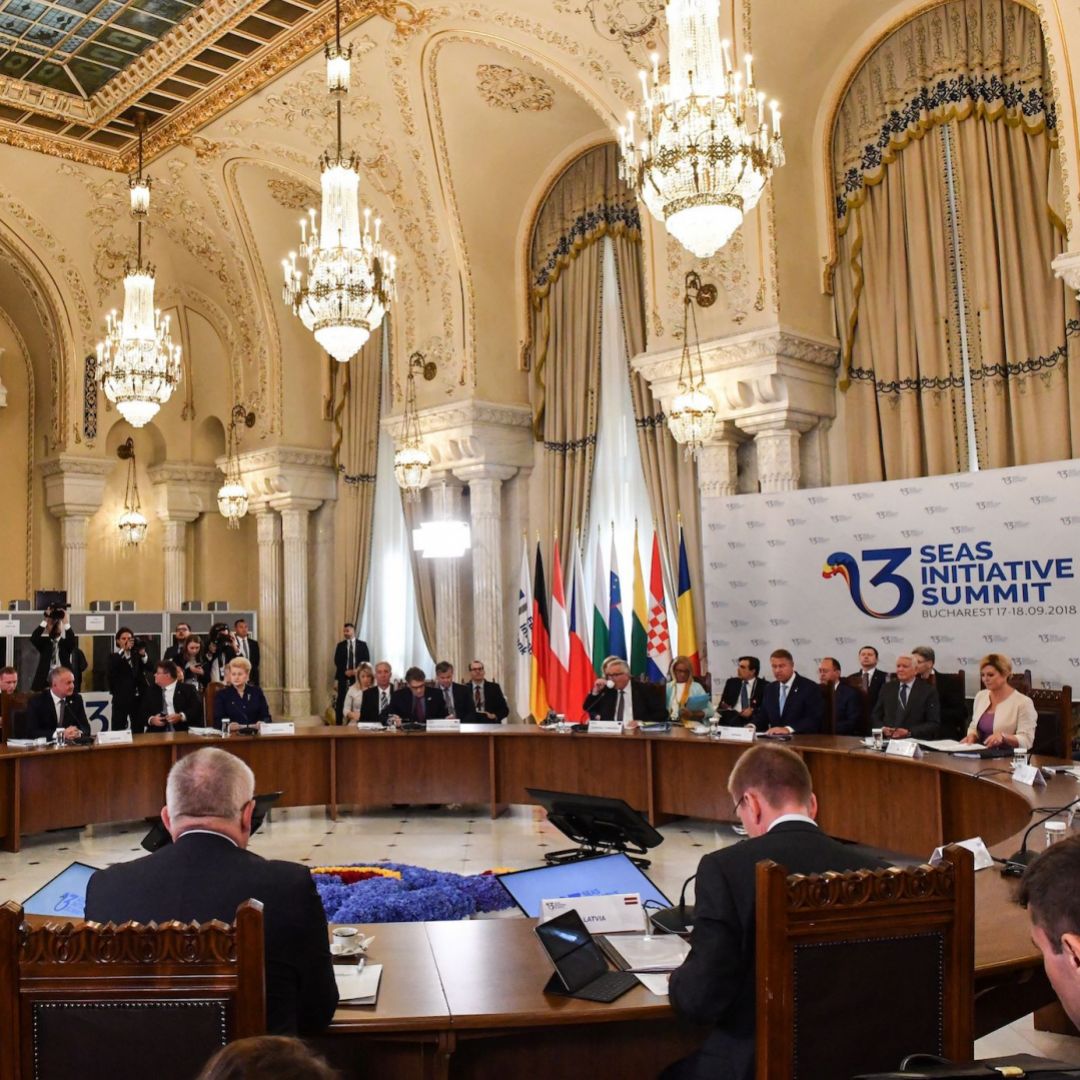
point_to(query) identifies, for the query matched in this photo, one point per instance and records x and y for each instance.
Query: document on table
(656, 983)
(646, 952)
(358, 987)
(947, 746)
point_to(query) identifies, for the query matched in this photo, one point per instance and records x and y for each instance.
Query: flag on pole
(639, 617)
(659, 639)
(616, 626)
(581, 669)
(541, 649)
(559, 668)
(687, 636)
(523, 669)
(600, 638)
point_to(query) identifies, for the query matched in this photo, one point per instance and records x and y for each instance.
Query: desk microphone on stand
(1016, 864)
(677, 919)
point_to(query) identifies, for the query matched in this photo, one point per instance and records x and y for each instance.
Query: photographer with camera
(55, 642)
(127, 679)
(220, 652)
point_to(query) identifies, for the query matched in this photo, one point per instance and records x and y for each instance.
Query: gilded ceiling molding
(637, 25)
(30, 414)
(513, 89)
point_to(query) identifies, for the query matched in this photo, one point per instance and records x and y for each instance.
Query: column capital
(182, 490)
(74, 485)
(485, 471)
(285, 504)
(277, 474)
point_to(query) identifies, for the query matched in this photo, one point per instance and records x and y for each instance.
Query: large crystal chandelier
(138, 366)
(132, 522)
(706, 150)
(692, 415)
(350, 278)
(232, 496)
(412, 462)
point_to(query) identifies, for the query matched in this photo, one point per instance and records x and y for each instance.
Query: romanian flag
(616, 626)
(559, 635)
(581, 669)
(659, 639)
(541, 648)
(639, 617)
(687, 636)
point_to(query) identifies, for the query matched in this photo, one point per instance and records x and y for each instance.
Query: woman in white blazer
(686, 701)
(1002, 716)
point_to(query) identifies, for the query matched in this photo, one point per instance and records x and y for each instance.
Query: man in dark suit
(247, 647)
(743, 692)
(950, 692)
(488, 701)
(55, 642)
(349, 654)
(458, 700)
(206, 873)
(617, 698)
(169, 704)
(415, 702)
(770, 786)
(57, 707)
(908, 707)
(175, 652)
(791, 704)
(847, 708)
(870, 675)
(377, 697)
(127, 679)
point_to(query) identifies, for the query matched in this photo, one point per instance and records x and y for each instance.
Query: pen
(360, 964)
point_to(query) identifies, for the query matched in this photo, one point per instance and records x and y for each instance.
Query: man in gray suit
(907, 708)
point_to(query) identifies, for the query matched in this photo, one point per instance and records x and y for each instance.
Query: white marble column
(73, 551)
(778, 459)
(74, 487)
(268, 527)
(294, 532)
(322, 620)
(485, 511)
(174, 546)
(446, 506)
(718, 466)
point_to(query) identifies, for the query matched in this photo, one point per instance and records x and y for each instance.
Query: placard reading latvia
(968, 564)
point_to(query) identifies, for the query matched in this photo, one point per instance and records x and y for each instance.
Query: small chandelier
(412, 462)
(131, 523)
(232, 497)
(138, 366)
(692, 416)
(350, 278)
(707, 151)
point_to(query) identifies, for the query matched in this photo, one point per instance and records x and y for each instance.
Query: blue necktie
(903, 695)
(783, 697)
(744, 700)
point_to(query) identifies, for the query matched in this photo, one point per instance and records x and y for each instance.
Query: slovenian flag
(687, 636)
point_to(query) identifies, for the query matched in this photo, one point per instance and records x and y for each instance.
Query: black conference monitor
(158, 836)
(599, 824)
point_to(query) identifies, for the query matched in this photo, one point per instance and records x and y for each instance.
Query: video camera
(55, 611)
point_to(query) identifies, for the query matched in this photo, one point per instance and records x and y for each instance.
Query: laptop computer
(64, 894)
(581, 969)
(606, 875)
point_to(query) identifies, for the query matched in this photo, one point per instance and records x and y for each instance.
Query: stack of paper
(358, 987)
(647, 952)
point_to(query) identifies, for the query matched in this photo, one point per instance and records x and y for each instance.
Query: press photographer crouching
(57, 709)
(171, 705)
(239, 705)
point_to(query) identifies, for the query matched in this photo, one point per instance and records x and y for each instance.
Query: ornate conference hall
(428, 369)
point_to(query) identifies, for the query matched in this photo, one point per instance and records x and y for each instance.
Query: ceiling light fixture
(692, 416)
(132, 522)
(412, 461)
(232, 496)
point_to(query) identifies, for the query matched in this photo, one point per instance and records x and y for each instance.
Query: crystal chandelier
(707, 150)
(692, 415)
(412, 462)
(138, 366)
(350, 278)
(131, 523)
(232, 497)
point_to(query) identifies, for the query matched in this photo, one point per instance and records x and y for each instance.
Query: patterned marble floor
(464, 840)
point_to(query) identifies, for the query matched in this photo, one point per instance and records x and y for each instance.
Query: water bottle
(58, 737)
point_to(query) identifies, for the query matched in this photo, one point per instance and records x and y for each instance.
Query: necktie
(622, 705)
(448, 695)
(903, 695)
(59, 712)
(382, 700)
(866, 681)
(418, 707)
(744, 698)
(241, 644)
(478, 697)
(783, 697)
(350, 664)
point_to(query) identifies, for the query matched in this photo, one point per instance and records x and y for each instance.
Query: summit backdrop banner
(968, 563)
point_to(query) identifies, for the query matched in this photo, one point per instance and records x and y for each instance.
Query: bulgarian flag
(659, 639)
(601, 643)
(687, 636)
(541, 648)
(639, 617)
(559, 666)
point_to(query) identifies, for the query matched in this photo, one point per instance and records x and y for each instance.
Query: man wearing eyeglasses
(488, 702)
(773, 799)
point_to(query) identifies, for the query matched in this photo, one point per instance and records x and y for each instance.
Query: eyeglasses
(742, 799)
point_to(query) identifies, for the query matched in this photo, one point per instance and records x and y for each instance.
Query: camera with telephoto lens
(55, 611)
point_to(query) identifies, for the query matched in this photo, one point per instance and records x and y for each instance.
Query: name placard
(1028, 774)
(366, 725)
(604, 727)
(95, 622)
(284, 728)
(601, 914)
(904, 748)
(113, 738)
(983, 858)
(206, 732)
(447, 724)
(735, 734)
(8, 627)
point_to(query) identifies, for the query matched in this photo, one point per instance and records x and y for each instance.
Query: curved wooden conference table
(465, 999)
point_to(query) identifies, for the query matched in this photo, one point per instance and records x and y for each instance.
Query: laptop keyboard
(608, 987)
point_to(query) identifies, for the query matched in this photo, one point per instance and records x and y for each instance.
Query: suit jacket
(43, 643)
(40, 719)
(463, 702)
(954, 714)
(922, 717)
(186, 699)
(715, 984)
(175, 653)
(401, 704)
(494, 702)
(848, 708)
(647, 704)
(230, 706)
(253, 656)
(804, 711)
(369, 704)
(731, 698)
(877, 681)
(127, 681)
(341, 657)
(204, 876)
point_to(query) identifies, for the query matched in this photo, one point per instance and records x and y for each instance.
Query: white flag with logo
(523, 666)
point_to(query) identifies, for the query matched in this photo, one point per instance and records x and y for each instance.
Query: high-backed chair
(211, 692)
(855, 682)
(1021, 680)
(855, 971)
(828, 716)
(12, 710)
(1054, 729)
(126, 1002)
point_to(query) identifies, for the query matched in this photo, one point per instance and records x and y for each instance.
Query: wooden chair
(828, 700)
(126, 1002)
(1054, 728)
(1021, 680)
(208, 706)
(12, 710)
(855, 682)
(857, 970)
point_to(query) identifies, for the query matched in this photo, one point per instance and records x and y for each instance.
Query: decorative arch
(31, 409)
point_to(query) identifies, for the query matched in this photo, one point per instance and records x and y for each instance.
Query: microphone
(677, 919)
(1016, 864)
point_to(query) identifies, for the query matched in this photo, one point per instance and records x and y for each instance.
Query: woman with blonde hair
(365, 677)
(1001, 716)
(686, 701)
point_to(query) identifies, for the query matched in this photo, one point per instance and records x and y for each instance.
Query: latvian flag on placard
(659, 639)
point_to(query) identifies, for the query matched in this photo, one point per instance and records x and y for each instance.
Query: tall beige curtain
(964, 85)
(356, 411)
(423, 573)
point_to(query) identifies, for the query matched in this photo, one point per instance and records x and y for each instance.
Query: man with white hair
(206, 873)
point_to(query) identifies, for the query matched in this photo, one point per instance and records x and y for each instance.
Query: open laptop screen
(64, 895)
(605, 875)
